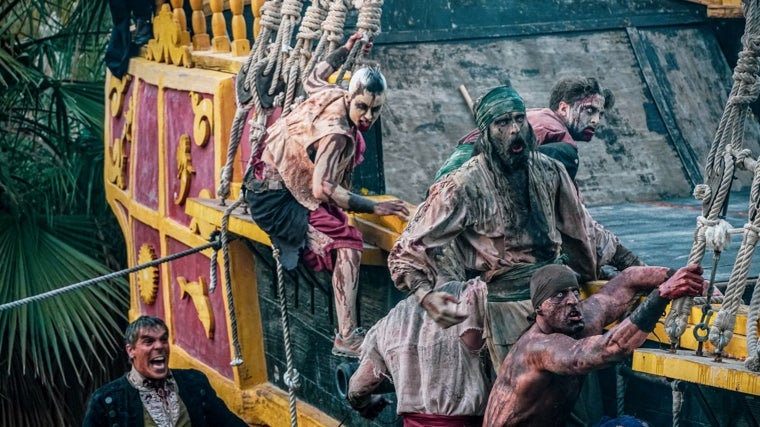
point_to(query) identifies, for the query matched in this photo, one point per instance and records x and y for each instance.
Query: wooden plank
(730, 374)
(649, 70)
(240, 223)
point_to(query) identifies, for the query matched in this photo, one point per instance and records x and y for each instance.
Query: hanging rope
(721, 162)
(675, 386)
(76, 286)
(292, 377)
(367, 23)
(332, 33)
(309, 31)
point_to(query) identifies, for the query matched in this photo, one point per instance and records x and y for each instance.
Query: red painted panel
(189, 332)
(145, 234)
(146, 138)
(178, 106)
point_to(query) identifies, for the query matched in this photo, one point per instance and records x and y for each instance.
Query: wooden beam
(730, 374)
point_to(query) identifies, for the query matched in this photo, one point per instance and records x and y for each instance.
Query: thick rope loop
(702, 192)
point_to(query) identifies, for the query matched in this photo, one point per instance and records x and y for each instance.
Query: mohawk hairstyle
(369, 78)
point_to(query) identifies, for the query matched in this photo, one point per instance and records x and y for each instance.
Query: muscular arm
(614, 298)
(564, 355)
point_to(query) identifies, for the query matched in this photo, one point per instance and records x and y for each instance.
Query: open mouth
(517, 146)
(589, 132)
(575, 316)
(363, 126)
(158, 362)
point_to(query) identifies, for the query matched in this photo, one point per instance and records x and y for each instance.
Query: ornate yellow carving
(167, 46)
(203, 123)
(116, 163)
(198, 292)
(147, 278)
(185, 169)
(117, 88)
(199, 226)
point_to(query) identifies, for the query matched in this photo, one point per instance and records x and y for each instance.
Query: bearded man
(505, 212)
(576, 109)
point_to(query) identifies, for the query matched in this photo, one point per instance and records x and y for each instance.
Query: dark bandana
(549, 280)
(496, 103)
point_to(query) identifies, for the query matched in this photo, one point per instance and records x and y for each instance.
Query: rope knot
(751, 232)
(702, 192)
(292, 379)
(717, 236)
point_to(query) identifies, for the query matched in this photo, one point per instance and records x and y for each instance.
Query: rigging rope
(76, 286)
(724, 156)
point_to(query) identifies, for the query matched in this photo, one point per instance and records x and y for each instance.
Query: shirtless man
(542, 375)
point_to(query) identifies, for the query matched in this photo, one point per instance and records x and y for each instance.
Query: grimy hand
(442, 307)
(687, 281)
(392, 207)
(358, 36)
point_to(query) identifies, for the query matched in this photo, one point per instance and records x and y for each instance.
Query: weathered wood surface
(632, 158)
(312, 329)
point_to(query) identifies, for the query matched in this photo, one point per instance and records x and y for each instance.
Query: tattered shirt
(432, 371)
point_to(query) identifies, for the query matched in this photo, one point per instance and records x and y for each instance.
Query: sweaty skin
(542, 375)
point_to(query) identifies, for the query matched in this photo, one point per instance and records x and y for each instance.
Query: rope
(721, 163)
(620, 383)
(721, 331)
(309, 31)
(86, 283)
(237, 358)
(292, 377)
(332, 33)
(753, 357)
(677, 402)
(368, 23)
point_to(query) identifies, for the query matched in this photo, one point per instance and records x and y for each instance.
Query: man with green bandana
(542, 376)
(504, 213)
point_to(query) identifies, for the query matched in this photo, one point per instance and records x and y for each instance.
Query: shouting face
(364, 109)
(150, 353)
(583, 116)
(562, 311)
(508, 136)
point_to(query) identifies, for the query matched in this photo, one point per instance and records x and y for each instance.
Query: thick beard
(508, 161)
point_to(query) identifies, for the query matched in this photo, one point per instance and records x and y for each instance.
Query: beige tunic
(289, 140)
(471, 207)
(432, 371)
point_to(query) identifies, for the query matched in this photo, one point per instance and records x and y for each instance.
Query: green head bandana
(496, 103)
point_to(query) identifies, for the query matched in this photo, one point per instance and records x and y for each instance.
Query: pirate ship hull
(168, 126)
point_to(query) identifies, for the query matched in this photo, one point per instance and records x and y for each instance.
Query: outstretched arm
(329, 166)
(322, 71)
(561, 354)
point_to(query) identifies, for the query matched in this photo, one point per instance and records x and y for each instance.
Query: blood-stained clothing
(548, 126)
(471, 206)
(434, 372)
(471, 211)
(286, 164)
